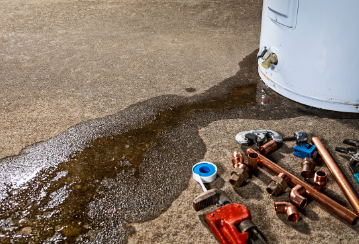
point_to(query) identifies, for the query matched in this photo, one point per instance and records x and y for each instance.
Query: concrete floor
(66, 65)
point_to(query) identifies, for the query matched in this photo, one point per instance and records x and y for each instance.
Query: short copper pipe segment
(287, 208)
(308, 165)
(268, 147)
(319, 197)
(337, 174)
(253, 161)
(296, 196)
(320, 180)
(237, 158)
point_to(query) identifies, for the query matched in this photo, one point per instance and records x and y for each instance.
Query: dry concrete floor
(67, 62)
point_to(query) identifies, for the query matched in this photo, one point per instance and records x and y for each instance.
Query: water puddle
(55, 205)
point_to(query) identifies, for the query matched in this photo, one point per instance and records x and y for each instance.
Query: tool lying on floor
(354, 153)
(260, 137)
(305, 150)
(231, 223)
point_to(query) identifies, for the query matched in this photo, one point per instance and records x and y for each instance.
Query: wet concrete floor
(126, 176)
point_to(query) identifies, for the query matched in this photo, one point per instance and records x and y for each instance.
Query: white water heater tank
(312, 51)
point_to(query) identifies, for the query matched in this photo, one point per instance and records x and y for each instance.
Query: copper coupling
(287, 208)
(268, 147)
(308, 165)
(320, 180)
(240, 172)
(296, 196)
(277, 185)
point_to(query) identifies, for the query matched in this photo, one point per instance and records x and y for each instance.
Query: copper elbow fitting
(320, 180)
(237, 158)
(296, 196)
(268, 147)
(287, 208)
(253, 161)
(308, 165)
(277, 185)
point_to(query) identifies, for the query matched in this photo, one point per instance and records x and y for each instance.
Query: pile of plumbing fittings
(226, 219)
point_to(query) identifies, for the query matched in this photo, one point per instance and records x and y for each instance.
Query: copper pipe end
(308, 165)
(287, 208)
(253, 161)
(296, 196)
(320, 180)
(268, 147)
(237, 158)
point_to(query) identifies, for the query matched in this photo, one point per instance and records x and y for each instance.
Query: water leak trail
(56, 200)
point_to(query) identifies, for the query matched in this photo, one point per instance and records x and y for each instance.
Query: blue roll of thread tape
(206, 170)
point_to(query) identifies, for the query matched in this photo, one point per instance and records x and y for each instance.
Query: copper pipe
(289, 209)
(338, 175)
(320, 180)
(268, 147)
(253, 161)
(296, 196)
(322, 199)
(308, 165)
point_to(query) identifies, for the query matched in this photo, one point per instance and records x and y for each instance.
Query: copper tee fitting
(289, 209)
(277, 185)
(252, 161)
(320, 180)
(240, 172)
(268, 147)
(308, 165)
(296, 196)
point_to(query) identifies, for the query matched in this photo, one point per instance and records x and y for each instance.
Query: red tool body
(223, 223)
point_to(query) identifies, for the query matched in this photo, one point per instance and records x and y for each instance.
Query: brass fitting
(240, 172)
(296, 196)
(268, 147)
(253, 161)
(320, 180)
(308, 165)
(277, 185)
(289, 209)
(239, 175)
(272, 59)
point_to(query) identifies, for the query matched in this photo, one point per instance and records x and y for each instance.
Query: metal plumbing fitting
(253, 161)
(277, 185)
(240, 172)
(272, 59)
(308, 165)
(287, 208)
(320, 180)
(296, 196)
